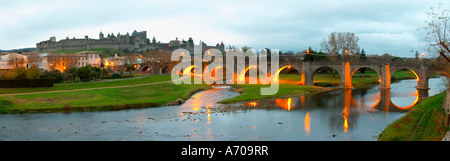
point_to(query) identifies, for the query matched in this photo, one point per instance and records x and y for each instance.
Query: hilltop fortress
(136, 42)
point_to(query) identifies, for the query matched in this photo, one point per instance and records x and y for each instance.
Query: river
(338, 115)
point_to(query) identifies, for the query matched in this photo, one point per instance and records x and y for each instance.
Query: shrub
(20, 73)
(88, 73)
(116, 75)
(33, 73)
(26, 83)
(55, 74)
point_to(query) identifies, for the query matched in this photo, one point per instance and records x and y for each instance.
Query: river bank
(318, 117)
(101, 96)
(424, 122)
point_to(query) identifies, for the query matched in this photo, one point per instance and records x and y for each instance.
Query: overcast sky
(383, 26)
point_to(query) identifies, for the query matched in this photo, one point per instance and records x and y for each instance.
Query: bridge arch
(355, 69)
(290, 69)
(165, 70)
(145, 68)
(432, 73)
(211, 74)
(340, 73)
(413, 70)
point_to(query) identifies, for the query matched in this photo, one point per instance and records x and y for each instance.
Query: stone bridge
(345, 68)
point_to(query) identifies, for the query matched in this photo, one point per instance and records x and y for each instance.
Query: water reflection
(357, 114)
(285, 103)
(307, 124)
(352, 103)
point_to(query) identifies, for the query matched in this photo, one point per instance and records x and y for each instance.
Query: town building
(12, 60)
(62, 62)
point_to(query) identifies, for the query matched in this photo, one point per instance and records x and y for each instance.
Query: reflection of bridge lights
(410, 106)
(285, 103)
(345, 124)
(307, 123)
(254, 104)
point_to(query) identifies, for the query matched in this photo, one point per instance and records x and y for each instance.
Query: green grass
(253, 92)
(424, 122)
(84, 85)
(99, 99)
(403, 74)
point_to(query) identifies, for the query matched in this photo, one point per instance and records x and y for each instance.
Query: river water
(340, 115)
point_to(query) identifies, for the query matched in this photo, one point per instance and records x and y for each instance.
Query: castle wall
(137, 41)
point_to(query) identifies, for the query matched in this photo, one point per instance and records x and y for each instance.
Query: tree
(87, 73)
(438, 31)
(16, 60)
(34, 59)
(341, 42)
(245, 48)
(363, 55)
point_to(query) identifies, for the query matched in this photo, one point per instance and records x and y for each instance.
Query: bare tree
(34, 60)
(157, 60)
(341, 42)
(438, 32)
(15, 60)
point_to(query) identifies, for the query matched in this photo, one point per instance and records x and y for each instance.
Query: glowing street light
(423, 55)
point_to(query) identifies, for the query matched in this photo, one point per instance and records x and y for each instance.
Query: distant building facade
(62, 62)
(7, 62)
(137, 41)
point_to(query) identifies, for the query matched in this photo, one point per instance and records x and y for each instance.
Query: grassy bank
(424, 122)
(253, 92)
(84, 85)
(68, 98)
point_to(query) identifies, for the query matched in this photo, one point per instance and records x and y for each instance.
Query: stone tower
(101, 36)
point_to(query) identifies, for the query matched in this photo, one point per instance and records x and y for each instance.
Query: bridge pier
(346, 79)
(309, 74)
(422, 81)
(385, 99)
(423, 93)
(385, 77)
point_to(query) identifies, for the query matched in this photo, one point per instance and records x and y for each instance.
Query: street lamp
(423, 55)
